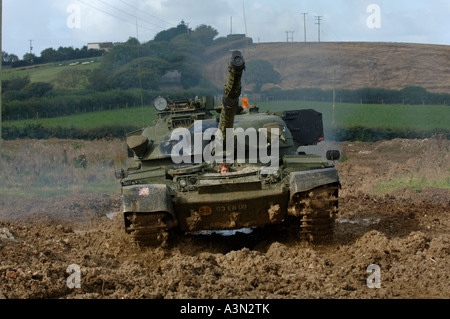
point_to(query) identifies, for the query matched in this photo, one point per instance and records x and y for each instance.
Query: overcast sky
(55, 23)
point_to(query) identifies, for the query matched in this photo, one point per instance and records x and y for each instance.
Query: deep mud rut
(403, 235)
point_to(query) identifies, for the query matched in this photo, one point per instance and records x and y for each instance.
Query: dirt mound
(401, 237)
(306, 65)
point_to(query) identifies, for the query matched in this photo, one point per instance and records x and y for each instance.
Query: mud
(403, 233)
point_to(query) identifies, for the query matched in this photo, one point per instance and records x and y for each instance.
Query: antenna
(304, 23)
(318, 18)
(334, 89)
(245, 20)
(140, 73)
(231, 25)
(31, 45)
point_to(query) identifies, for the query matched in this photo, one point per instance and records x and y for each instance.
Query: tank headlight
(160, 103)
(182, 182)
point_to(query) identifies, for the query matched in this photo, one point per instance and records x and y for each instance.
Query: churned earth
(391, 240)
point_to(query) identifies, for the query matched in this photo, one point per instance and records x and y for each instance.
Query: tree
(205, 34)
(122, 54)
(72, 78)
(171, 33)
(66, 53)
(29, 58)
(146, 71)
(8, 59)
(38, 89)
(413, 94)
(15, 83)
(260, 72)
(49, 55)
(98, 80)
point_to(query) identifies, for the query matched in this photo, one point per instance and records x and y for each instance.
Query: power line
(131, 15)
(114, 16)
(136, 8)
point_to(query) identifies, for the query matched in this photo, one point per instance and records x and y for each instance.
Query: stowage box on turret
(174, 183)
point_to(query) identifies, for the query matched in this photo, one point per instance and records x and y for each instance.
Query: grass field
(130, 116)
(422, 117)
(50, 168)
(368, 115)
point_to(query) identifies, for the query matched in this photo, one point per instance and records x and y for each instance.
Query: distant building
(236, 36)
(100, 46)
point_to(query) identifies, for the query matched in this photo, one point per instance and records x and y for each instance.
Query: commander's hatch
(306, 126)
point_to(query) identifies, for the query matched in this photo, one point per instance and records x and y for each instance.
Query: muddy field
(390, 241)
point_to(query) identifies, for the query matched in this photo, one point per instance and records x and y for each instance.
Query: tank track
(148, 229)
(318, 209)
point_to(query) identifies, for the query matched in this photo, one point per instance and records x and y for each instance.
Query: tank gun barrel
(231, 92)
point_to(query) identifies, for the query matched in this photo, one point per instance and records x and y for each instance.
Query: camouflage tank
(174, 184)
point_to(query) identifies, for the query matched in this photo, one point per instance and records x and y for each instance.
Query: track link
(316, 212)
(148, 229)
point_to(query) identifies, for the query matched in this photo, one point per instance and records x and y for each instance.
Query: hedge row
(60, 105)
(38, 131)
(351, 133)
(67, 104)
(56, 103)
(412, 95)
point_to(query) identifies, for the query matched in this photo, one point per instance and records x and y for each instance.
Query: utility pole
(304, 23)
(1, 62)
(369, 62)
(318, 18)
(290, 37)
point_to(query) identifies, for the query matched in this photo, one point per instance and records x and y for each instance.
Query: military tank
(174, 184)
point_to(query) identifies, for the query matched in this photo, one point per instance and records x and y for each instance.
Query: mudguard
(147, 198)
(303, 181)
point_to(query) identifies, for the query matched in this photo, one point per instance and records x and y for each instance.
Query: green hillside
(51, 71)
